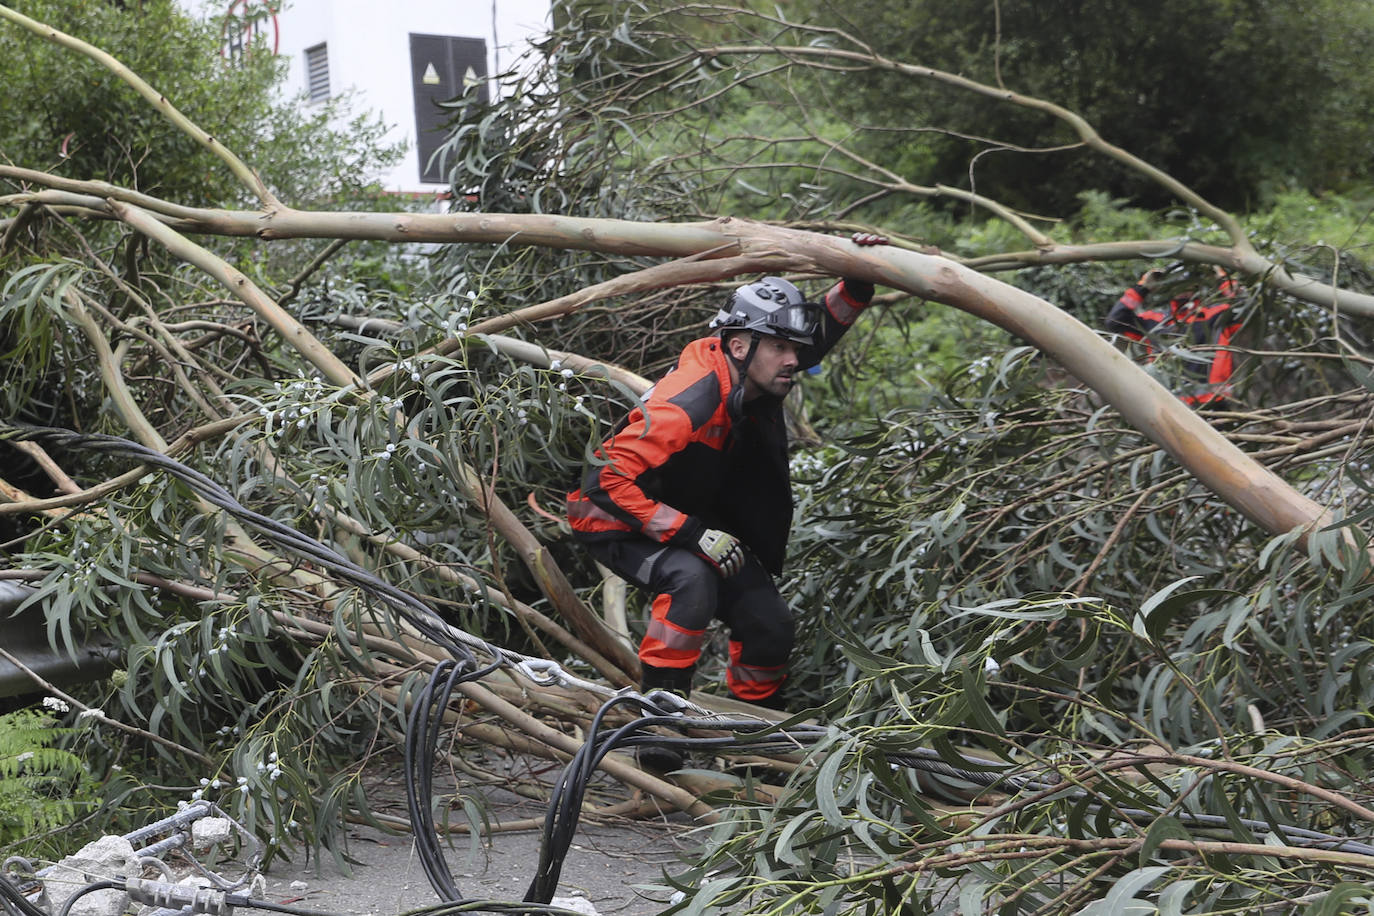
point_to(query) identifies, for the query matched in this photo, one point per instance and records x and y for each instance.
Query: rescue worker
(691, 498)
(1186, 321)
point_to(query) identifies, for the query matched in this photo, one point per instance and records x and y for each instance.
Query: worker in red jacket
(690, 497)
(1187, 321)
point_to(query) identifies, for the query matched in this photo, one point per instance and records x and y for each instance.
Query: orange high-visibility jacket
(682, 463)
(1189, 321)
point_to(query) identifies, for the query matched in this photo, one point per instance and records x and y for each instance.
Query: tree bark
(1259, 494)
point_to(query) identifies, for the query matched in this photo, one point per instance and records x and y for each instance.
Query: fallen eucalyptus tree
(413, 441)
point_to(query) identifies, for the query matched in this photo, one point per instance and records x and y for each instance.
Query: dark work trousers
(689, 594)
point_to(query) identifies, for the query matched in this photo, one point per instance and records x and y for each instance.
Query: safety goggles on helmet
(795, 322)
(773, 307)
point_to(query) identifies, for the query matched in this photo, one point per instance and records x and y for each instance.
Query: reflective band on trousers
(673, 638)
(748, 674)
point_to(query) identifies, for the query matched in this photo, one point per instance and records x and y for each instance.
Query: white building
(400, 57)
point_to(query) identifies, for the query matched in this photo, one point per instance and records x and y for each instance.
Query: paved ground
(608, 871)
(602, 869)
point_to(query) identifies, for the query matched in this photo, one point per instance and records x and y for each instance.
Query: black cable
(178, 898)
(415, 779)
(1216, 821)
(15, 898)
(426, 718)
(928, 760)
(88, 889)
(421, 750)
(479, 905)
(565, 806)
(421, 745)
(255, 904)
(563, 813)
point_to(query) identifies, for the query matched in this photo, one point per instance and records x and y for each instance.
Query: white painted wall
(369, 50)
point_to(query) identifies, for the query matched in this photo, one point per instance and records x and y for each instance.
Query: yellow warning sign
(470, 79)
(431, 77)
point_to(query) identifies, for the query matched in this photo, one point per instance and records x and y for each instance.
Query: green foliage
(68, 114)
(1000, 569)
(42, 786)
(291, 726)
(697, 130)
(1238, 98)
(1338, 226)
(859, 832)
(31, 312)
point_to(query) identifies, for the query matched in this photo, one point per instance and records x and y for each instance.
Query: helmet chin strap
(734, 405)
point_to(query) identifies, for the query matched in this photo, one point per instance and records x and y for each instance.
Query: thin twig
(99, 715)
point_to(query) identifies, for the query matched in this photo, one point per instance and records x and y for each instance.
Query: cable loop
(672, 704)
(542, 671)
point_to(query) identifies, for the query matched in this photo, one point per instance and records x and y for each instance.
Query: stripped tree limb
(1239, 480)
(550, 578)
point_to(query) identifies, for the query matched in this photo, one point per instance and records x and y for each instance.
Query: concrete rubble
(108, 858)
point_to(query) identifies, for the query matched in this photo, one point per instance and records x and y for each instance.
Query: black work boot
(673, 680)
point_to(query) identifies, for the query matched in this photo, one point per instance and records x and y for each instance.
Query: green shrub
(42, 787)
